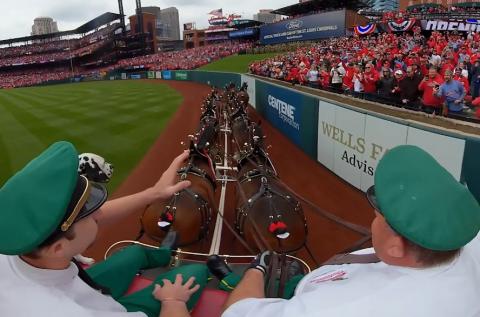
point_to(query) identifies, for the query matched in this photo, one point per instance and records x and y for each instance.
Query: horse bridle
(196, 171)
(278, 264)
(268, 192)
(204, 209)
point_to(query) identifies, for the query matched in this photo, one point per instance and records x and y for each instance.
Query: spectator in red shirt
(369, 80)
(348, 78)
(324, 78)
(431, 83)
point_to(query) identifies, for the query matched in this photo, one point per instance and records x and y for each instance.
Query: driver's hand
(176, 291)
(167, 185)
(261, 262)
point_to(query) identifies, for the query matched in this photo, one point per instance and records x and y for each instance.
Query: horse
(189, 211)
(242, 136)
(242, 94)
(267, 213)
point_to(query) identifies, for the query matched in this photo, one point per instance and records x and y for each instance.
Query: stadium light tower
(139, 16)
(122, 15)
(138, 13)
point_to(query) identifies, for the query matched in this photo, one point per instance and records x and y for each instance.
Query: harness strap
(272, 275)
(283, 275)
(192, 169)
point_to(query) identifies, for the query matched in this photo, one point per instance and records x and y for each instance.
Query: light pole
(70, 53)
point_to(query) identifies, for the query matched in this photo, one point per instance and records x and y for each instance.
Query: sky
(17, 16)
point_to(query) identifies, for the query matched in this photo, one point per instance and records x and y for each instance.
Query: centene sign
(285, 111)
(434, 25)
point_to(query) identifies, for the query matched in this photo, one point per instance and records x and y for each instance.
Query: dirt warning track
(302, 174)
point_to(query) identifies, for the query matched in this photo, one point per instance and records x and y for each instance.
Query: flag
(364, 30)
(218, 12)
(401, 25)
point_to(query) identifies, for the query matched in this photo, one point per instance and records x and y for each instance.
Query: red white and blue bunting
(364, 30)
(401, 25)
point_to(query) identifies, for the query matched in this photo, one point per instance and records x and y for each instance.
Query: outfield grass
(118, 120)
(237, 63)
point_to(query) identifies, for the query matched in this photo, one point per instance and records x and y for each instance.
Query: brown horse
(242, 136)
(242, 94)
(189, 211)
(266, 213)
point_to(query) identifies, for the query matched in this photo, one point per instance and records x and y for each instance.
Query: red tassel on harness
(168, 217)
(277, 226)
(165, 220)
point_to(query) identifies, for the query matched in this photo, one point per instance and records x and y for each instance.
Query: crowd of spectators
(56, 50)
(62, 55)
(30, 77)
(406, 70)
(186, 59)
(417, 13)
(38, 48)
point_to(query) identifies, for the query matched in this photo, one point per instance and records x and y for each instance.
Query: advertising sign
(181, 75)
(158, 75)
(151, 75)
(242, 33)
(124, 75)
(294, 114)
(469, 25)
(135, 76)
(251, 89)
(166, 74)
(317, 26)
(351, 144)
(215, 79)
(471, 168)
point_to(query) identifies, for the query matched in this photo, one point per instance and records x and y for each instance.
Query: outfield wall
(348, 140)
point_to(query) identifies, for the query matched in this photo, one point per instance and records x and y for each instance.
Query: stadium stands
(30, 77)
(373, 67)
(186, 59)
(362, 66)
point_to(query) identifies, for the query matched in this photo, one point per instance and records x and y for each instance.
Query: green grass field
(237, 63)
(118, 120)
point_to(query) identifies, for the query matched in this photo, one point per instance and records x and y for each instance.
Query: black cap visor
(98, 196)
(86, 198)
(372, 198)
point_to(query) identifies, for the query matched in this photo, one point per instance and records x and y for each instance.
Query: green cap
(422, 201)
(46, 196)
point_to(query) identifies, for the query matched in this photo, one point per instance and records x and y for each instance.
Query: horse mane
(259, 158)
(258, 134)
(209, 112)
(238, 113)
(207, 134)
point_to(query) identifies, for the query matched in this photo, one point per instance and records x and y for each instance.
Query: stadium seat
(138, 284)
(210, 303)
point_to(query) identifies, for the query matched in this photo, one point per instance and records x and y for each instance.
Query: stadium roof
(103, 19)
(89, 26)
(319, 5)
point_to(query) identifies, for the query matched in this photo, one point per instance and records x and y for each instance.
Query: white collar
(43, 276)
